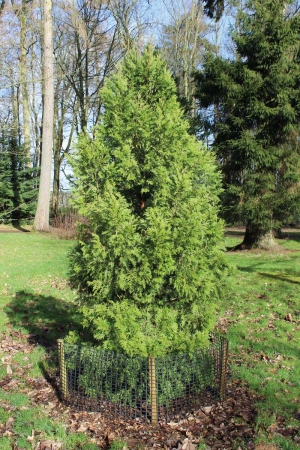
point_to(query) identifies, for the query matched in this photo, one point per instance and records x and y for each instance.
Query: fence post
(153, 390)
(62, 367)
(224, 358)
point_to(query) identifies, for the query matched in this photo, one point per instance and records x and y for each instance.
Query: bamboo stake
(153, 391)
(224, 349)
(62, 368)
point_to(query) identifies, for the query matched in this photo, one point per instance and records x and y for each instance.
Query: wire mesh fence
(153, 389)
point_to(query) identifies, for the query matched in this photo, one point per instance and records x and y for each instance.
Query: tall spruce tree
(149, 264)
(256, 119)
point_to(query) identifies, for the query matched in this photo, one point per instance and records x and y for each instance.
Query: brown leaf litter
(219, 425)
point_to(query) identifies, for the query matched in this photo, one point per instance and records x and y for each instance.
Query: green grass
(264, 290)
(36, 300)
(264, 343)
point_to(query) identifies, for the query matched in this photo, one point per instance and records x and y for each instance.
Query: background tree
(149, 265)
(257, 126)
(183, 44)
(214, 8)
(18, 193)
(41, 220)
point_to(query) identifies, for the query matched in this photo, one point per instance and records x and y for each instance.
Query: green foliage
(214, 8)
(6, 188)
(121, 379)
(256, 117)
(149, 265)
(18, 192)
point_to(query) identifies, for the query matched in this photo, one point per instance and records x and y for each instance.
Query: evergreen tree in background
(256, 107)
(149, 265)
(17, 183)
(6, 188)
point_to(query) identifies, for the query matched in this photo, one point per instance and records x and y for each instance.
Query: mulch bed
(219, 425)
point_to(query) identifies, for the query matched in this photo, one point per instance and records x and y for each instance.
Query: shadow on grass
(19, 227)
(45, 318)
(287, 275)
(293, 235)
(280, 277)
(234, 233)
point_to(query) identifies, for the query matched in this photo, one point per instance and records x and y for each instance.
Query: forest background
(87, 39)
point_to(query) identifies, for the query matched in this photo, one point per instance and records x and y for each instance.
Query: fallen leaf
(49, 445)
(188, 445)
(207, 409)
(7, 433)
(9, 422)
(82, 428)
(31, 438)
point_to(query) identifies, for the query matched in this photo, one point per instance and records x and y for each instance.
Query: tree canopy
(255, 99)
(149, 264)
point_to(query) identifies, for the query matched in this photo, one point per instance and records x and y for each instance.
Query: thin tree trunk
(56, 181)
(14, 154)
(23, 81)
(41, 221)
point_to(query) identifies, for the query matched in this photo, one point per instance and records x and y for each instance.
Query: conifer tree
(6, 188)
(17, 179)
(149, 264)
(256, 120)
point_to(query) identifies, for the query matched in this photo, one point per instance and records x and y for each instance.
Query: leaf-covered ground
(219, 426)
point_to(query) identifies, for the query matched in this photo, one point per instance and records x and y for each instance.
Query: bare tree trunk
(14, 155)
(23, 80)
(41, 221)
(56, 182)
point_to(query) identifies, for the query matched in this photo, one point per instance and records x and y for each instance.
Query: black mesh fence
(160, 388)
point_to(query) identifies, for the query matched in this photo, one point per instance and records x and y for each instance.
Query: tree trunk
(56, 182)
(14, 155)
(24, 81)
(257, 237)
(41, 221)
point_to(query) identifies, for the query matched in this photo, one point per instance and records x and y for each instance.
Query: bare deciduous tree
(41, 221)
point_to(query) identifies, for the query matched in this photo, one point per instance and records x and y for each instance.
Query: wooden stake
(62, 367)
(153, 391)
(224, 349)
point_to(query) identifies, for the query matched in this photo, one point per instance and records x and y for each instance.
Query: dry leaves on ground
(218, 425)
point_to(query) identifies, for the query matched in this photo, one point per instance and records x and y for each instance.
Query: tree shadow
(16, 224)
(291, 235)
(286, 276)
(45, 318)
(279, 277)
(234, 233)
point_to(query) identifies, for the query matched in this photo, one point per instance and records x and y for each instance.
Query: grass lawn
(35, 302)
(261, 317)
